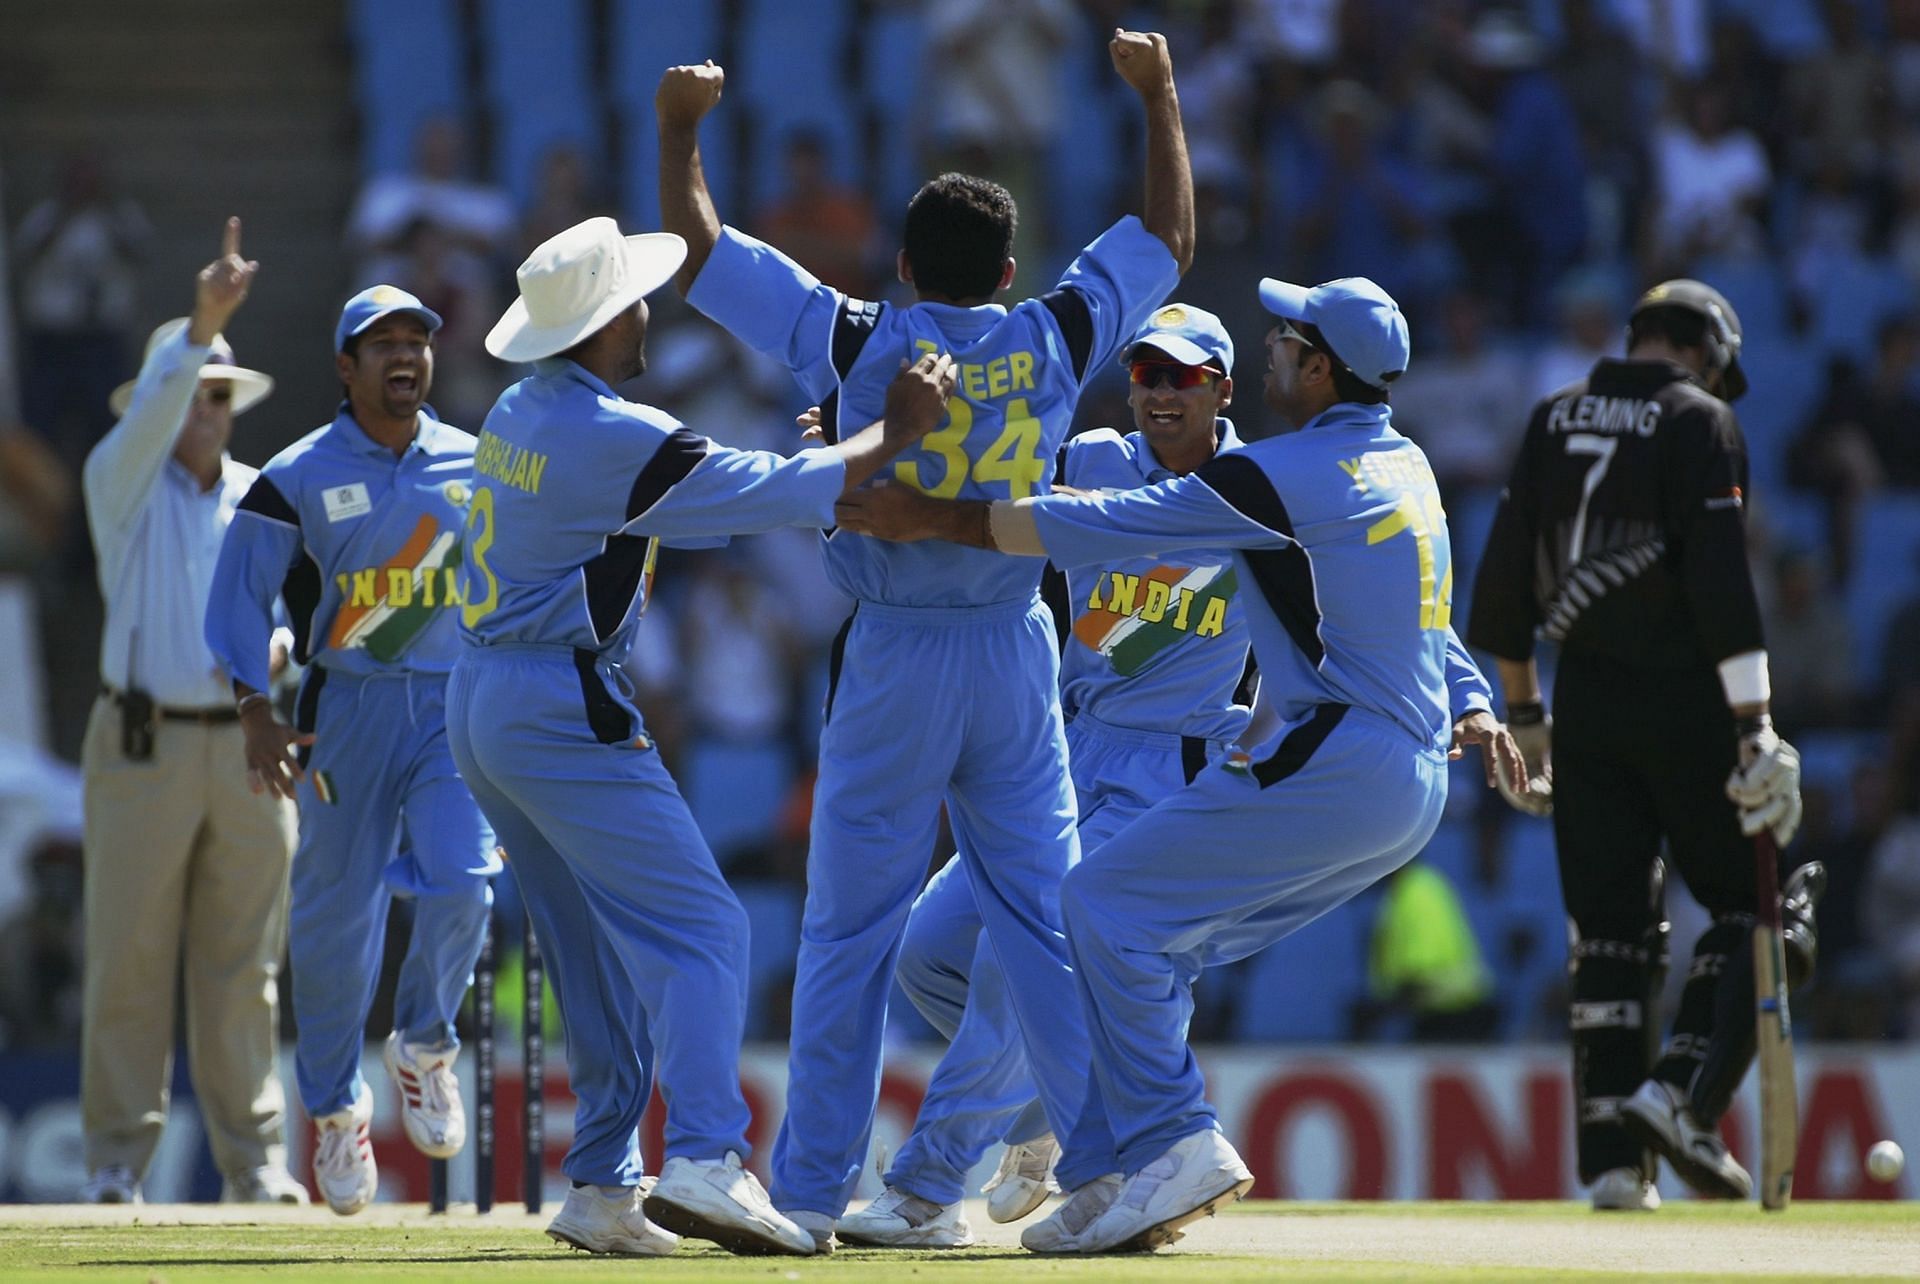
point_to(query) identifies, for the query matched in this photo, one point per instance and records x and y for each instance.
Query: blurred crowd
(1513, 174)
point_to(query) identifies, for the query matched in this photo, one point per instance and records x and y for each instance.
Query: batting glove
(1533, 732)
(1766, 784)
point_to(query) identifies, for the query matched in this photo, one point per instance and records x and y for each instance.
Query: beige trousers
(186, 878)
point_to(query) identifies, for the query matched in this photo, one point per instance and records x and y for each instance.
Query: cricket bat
(1773, 1034)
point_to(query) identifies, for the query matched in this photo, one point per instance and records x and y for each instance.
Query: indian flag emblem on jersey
(384, 608)
(1132, 619)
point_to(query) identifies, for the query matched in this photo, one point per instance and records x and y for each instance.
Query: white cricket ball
(1885, 1160)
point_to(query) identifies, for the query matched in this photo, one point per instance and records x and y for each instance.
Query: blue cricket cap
(1192, 336)
(1360, 322)
(368, 306)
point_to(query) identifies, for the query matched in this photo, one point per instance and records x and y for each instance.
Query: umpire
(1621, 536)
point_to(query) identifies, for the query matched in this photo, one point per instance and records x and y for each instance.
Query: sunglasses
(1151, 374)
(218, 394)
(1289, 331)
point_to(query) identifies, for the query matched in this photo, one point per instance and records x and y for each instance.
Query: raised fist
(1142, 60)
(688, 93)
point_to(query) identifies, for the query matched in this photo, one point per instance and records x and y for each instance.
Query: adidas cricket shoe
(429, 1096)
(343, 1165)
(1062, 1232)
(1624, 1190)
(818, 1225)
(268, 1184)
(900, 1220)
(719, 1200)
(1200, 1175)
(1657, 1117)
(1024, 1181)
(596, 1222)
(112, 1184)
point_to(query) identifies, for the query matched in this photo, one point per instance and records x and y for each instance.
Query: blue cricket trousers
(383, 813)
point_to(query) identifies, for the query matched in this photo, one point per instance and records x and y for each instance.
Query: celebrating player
(1154, 684)
(1338, 528)
(572, 479)
(945, 682)
(360, 522)
(1621, 536)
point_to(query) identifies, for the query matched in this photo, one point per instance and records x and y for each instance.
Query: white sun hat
(250, 387)
(579, 280)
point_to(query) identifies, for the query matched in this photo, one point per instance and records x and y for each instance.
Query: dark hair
(959, 236)
(1347, 385)
(1681, 327)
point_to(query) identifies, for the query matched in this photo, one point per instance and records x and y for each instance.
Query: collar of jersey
(1224, 439)
(563, 368)
(1343, 415)
(426, 428)
(965, 324)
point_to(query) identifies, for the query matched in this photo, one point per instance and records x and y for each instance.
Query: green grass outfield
(160, 1244)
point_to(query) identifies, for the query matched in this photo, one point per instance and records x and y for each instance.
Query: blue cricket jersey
(569, 481)
(1339, 534)
(1021, 372)
(364, 543)
(1158, 644)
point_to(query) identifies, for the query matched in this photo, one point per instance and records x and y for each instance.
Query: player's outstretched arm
(916, 403)
(685, 96)
(1142, 60)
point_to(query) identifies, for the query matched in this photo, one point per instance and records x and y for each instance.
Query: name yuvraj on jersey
(511, 465)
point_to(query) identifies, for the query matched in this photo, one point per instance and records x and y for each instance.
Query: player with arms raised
(945, 685)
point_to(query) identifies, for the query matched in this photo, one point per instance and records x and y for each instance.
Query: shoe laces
(1031, 1159)
(911, 1209)
(340, 1144)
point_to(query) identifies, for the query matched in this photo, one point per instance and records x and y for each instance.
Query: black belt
(215, 716)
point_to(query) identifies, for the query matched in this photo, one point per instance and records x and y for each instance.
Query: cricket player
(1155, 683)
(572, 480)
(946, 681)
(359, 521)
(1338, 529)
(1622, 536)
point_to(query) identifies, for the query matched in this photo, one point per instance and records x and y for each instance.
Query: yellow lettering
(1126, 588)
(997, 377)
(535, 468)
(925, 345)
(366, 588)
(1022, 365)
(1214, 621)
(1186, 604)
(399, 586)
(1352, 468)
(974, 384)
(428, 583)
(1157, 596)
(450, 595)
(517, 473)
(341, 581)
(1093, 599)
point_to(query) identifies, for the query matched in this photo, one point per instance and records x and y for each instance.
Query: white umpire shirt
(156, 535)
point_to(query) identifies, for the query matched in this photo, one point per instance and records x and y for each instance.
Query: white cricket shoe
(1024, 1181)
(1197, 1177)
(719, 1200)
(598, 1223)
(429, 1096)
(268, 1184)
(818, 1225)
(1624, 1190)
(1061, 1232)
(113, 1184)
(900, 1220)
(1658, 1117)
(343, 1166)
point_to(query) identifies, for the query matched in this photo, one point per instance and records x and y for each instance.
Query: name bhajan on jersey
(511, 465)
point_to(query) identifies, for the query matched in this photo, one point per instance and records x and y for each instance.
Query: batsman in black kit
(1621, 537)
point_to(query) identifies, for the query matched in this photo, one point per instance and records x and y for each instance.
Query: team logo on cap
(1168, 318)
(384, 295)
